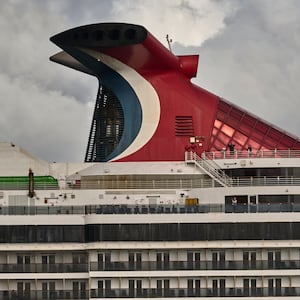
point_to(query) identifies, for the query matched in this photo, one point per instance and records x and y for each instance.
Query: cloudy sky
(249, 55)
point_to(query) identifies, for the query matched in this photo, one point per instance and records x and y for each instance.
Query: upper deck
(195, 172)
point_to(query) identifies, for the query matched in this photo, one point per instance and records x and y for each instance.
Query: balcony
(43, 268)
(199, 265)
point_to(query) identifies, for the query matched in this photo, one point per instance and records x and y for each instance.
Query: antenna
(169, 42)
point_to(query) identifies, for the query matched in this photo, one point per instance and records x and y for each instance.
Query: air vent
(184, 126)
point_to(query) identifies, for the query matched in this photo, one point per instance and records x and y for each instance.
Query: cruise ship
(182, 194)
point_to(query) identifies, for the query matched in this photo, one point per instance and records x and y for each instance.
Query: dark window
(109, 232)
(92, 233)
(41, 233)
(132, 232)
(4, 236)
(18, 234)
(252, 231)
(150, 232)
(73, 233)
(55, 233)
(164, 232)
(190, 231)
(294, 229)
(221, 231)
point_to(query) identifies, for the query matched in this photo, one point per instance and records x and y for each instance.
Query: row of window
(192, 287)
(196, 287)
(159, 260)
(193, 231)
(150, 232)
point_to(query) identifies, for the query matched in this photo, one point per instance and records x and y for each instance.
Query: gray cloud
(255, 64)
(189, 21)
(248, 54)
(45, 108)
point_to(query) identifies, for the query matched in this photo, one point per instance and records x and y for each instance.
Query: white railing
(209, 167)
(266, 181)
(213, 169)
(174, 184)
(242, 154)
(169, 184)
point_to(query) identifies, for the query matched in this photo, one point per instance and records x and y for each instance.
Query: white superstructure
(217, 226)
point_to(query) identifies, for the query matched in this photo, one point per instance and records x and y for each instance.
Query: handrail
(127, 209)
(121, 186)
(242, 154)
(209, 167)
(148, 265)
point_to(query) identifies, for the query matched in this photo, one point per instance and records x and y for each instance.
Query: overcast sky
(249, 54)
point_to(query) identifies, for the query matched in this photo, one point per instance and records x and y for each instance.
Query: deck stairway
(209, 167)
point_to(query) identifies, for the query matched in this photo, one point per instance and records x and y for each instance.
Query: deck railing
(43, 268)
(46, 294)
(242, 154)
(194, 265)
(151, 209)
(228, 292)
(209, 167)
(166, 292)
(171, 184)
